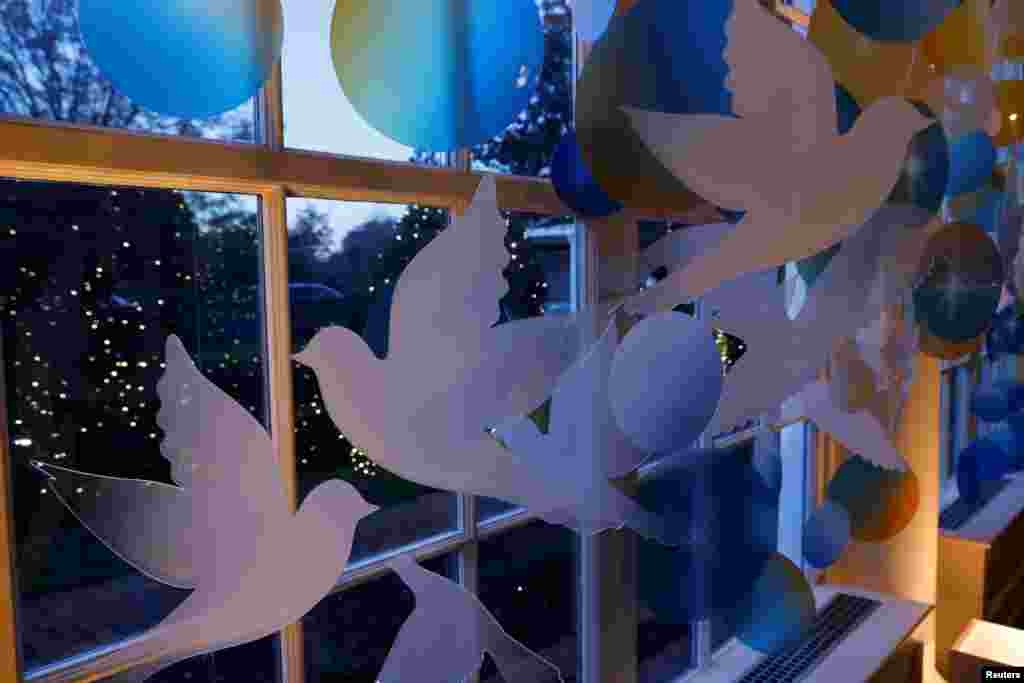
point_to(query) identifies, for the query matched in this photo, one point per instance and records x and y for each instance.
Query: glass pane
(539, 277)
(528, 144)
(528, 580)
(349, 634)
(46, 73)
(663, 649)
(344, 259)
(256, 662)
(95, 279)
(317, 115)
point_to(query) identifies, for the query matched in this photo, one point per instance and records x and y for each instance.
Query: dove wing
(695, 149)
(781, 82)
(221, 454)
(860, 432)
(147, 524)
(446, 299)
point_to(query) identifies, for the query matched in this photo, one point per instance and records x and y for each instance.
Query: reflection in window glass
(46, 73)
(94, 279)
(539, 277)
(344, 259)
(317, 115)
(256, 662)
(349, 634)
(527, 579)
(528, 144)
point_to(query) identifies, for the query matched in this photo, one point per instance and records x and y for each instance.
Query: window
(95, 279)
(344, 259)
(348, 636)
(46, 73)
(541, 280)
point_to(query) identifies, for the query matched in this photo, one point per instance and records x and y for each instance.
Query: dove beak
(301, 358)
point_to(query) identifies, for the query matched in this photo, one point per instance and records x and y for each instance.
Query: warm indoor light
(1013, 117)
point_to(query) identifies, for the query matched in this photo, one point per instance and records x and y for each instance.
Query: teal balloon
(826, 535)
(720, 498)
(972, 158)
(779, 610)
(184, 58)
(926, 170)
(438, 74)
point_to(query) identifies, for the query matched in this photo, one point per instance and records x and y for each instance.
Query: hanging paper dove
(785, 95)
(447, 634)
(449, 376)
(582, 450)
(226, 530)
(783, 355)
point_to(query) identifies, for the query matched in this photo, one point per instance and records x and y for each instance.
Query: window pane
(256, 662)
(317, 115)
(349, 634)
(528, 144)
(528, 580)
(663, 649)
(95, 279)
(539, 277)
(344, 259)
(46, 73)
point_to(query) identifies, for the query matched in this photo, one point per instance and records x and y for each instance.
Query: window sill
(855, 660)
(989, 522)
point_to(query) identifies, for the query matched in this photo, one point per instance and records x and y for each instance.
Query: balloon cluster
(987, 460)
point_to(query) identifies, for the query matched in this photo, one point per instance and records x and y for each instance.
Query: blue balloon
(574, 184)
(719, 500)
(993, 401)
(926, 170)
(826, 535)
(183, 58)
(980, 465)
(1010, 440)
(972, 158)
(895, 20)
(779, 609)
(988, 212)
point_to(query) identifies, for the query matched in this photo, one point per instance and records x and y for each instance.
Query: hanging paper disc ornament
(880, 502)
(826, 535)
(959, 284)
(627, 68)
(899, 20)
(972, 158)
(574, 184)
(779, 610)
(437, 74)
(868, 69)
(961, 40)
(665, 382)
(979, 468)
(184, 58)
(718, 500)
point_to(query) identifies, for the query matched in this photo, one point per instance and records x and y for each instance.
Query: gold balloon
(945, 350)
(1010, 102)
(868, 69)
(960, 40)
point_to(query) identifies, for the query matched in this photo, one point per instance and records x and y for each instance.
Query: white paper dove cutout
(447, 634)
(857, 406)
(581, 452)
(227, 531)
(804, 187)
(784, 355)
